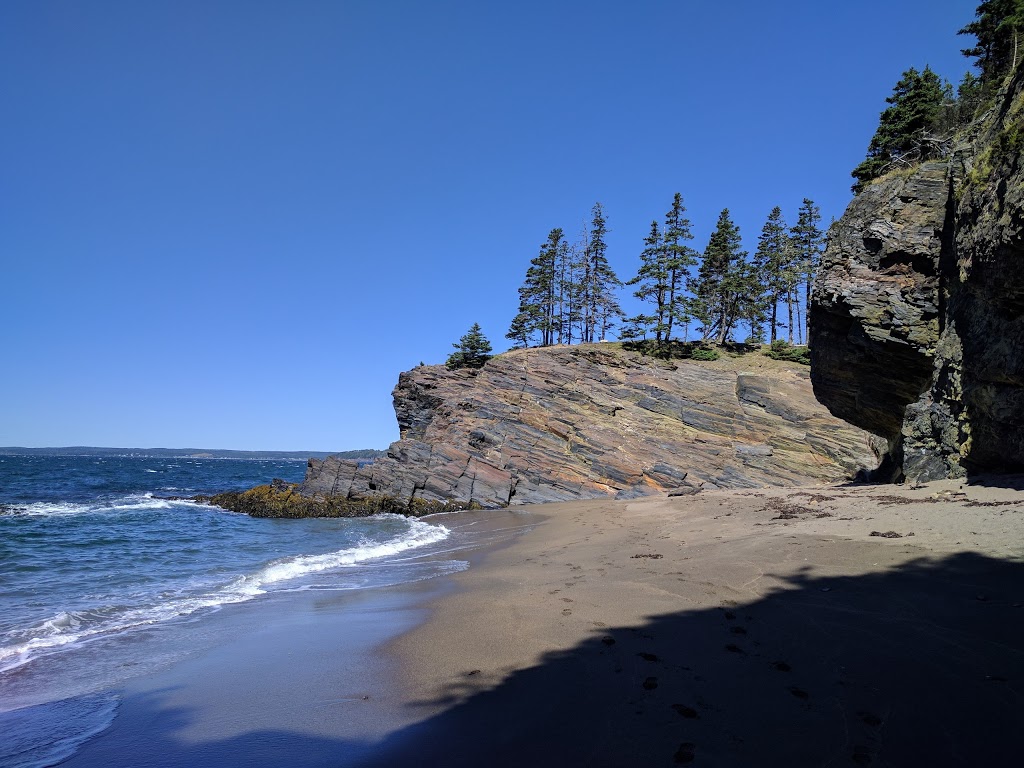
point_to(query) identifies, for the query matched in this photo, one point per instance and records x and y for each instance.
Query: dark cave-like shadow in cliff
(920, 665)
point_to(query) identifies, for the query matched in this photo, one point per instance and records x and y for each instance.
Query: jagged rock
(563, 423)
(917, 315)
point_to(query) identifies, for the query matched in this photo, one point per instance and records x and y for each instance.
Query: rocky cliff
(917, 315)
(594, 420)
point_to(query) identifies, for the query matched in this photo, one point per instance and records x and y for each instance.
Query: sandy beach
(861, 625)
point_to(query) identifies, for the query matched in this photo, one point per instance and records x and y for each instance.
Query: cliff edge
(590, 421)
(917, 314)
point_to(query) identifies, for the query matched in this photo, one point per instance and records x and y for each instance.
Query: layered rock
(916, 316)
(564, 423)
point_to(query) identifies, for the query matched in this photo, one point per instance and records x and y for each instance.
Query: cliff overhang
(917, 314)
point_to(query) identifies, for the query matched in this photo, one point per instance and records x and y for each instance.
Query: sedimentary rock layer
(917, 316)
(592, 421)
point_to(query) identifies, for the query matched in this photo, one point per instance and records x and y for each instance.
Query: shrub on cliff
(782, 350)
(472, 351)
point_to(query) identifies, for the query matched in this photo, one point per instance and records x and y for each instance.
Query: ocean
(103, 579)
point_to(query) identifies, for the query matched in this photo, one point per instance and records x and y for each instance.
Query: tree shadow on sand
(921, 665)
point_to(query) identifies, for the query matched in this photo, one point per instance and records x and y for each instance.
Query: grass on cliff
(703, 352)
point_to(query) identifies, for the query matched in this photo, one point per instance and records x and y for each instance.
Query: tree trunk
(789, 304)
(775, 315)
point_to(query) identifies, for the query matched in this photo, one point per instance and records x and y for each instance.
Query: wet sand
(866, 625)
(294, 678)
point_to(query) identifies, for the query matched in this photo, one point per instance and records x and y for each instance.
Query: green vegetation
(924, 115)
(569, 291)
(281, 499)
(998, 29)
(663, 273)
(782, 350)
(472, 351)
(568, 295)
(705, 354)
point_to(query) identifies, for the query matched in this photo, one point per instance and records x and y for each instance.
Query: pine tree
(771, 263)
(472, 351)
(679, 257)
(916, 107)
(538, 296)
(968, 98)
(653, 279)
(808, 241)
(664, 270)
(601, 307)
(722, 284)
(998, 29)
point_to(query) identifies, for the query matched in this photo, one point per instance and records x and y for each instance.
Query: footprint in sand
(648, 657)
(685, 753)
(650, 683)
(684, 711)
(732, 648)
(870, 718)
(608, 640)
(861, 755)
(800, 693)
(566, 612)
(781, 666)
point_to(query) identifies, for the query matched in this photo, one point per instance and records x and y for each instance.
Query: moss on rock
(281, 499)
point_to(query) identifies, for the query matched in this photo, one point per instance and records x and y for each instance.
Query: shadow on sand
(921, 665)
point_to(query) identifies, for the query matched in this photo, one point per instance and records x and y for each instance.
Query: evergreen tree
(472, 351)
(722, 286)
(663, 273)
(772, 263)
(808, 241)
(538, 296)
(916, 107)
(679, 257)
(968, 98)
(653, 279)
(998, 29)
(599, 280)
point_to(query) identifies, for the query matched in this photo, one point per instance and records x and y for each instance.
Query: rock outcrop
(917, 315)
(588, 421)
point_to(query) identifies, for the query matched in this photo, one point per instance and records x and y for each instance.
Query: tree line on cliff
(569, 294)
(924, 112)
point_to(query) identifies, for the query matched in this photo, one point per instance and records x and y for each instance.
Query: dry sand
(740, 628)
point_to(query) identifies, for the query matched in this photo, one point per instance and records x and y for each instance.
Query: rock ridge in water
(917, 314)
(590, 421)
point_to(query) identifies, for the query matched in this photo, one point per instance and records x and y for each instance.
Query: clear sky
(232, 224)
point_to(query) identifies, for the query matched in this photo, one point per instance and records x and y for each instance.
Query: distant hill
(204, 453)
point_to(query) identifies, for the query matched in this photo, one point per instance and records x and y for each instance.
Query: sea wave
(19, 646)
(130, 503)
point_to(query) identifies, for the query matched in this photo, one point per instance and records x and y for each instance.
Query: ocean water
(102, 579)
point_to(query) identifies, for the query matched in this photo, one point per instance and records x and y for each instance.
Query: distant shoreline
(188, 453)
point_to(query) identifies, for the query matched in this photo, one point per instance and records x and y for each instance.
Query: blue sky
(232, 224)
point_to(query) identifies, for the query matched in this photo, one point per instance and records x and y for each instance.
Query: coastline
(295, 678)
(752, 627)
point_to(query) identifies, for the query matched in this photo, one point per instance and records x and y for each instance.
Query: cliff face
(589, 421)
(917, 316)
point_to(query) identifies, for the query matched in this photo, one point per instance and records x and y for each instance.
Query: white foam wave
(65, 628)
(420, 534)
(66, 508)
